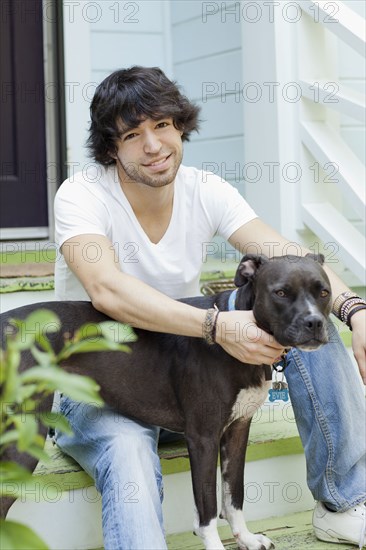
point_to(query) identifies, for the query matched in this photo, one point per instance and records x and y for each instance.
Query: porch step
(286, 532)
(273, 433)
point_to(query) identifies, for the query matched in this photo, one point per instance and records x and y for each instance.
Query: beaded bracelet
(348, 305)
(209, 325)
(340, 300)
(352, 312)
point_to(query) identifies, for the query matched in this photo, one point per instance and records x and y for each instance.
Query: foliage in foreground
(21, 393)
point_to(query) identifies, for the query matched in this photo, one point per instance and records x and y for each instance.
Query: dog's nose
(313, 322)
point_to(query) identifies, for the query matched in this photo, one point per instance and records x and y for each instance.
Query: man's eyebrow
(127, 129)
(124, 131)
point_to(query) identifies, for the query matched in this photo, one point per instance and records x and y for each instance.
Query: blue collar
(231, 302)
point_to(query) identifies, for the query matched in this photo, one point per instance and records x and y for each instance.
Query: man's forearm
(131, 301)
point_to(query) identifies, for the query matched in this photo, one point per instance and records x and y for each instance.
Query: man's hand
(358, 322)
(239, 335)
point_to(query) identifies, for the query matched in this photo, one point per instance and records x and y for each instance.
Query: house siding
(129, 33)
(206, 57)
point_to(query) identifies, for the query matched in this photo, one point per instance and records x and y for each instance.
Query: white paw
(254, 542)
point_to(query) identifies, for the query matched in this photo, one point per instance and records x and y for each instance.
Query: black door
(23, 182)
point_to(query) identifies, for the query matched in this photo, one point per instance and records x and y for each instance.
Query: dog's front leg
(203, 453)
(233, 446)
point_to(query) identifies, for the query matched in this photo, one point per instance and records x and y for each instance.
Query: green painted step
(273, 433)
(291, 532)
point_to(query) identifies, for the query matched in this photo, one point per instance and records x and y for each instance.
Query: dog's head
(292, 297)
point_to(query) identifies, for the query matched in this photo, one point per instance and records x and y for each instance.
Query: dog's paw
(254, 542)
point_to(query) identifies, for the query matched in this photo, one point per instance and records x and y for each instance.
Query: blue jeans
(121, 455)
(329, 406)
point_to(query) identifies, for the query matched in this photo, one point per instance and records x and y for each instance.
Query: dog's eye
(324, 293)
(281, 293)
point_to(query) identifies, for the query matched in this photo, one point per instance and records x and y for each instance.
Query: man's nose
(152, 143)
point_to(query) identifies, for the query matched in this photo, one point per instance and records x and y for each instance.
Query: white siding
(129, 33)
(206, 55)
(101, 37)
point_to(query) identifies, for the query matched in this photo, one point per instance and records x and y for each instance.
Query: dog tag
(279, 390)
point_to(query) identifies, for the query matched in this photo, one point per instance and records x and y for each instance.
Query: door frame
(55, 120)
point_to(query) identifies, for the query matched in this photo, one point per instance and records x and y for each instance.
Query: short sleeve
(224, 205)
(79, 210)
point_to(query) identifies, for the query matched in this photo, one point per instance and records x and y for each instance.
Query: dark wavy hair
(129, 96)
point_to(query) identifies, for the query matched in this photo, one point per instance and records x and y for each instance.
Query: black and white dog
(170, 381)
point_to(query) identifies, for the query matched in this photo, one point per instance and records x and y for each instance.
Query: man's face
(149, 154)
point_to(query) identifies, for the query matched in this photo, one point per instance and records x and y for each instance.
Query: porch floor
(287, 533)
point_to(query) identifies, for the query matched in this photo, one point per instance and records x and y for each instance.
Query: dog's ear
(248, 267)
(316, 257)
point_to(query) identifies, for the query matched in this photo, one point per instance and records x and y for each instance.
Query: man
(132, 232)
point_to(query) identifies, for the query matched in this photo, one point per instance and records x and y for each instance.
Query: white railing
(335, 212)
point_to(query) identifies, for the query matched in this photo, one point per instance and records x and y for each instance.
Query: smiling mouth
(157, 163)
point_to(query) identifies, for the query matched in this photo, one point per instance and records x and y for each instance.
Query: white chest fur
(248, 401)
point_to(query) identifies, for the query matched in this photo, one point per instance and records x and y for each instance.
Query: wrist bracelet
(209, 325)
(214, 327)
(348, 305)
(340, 300)
(352, 312)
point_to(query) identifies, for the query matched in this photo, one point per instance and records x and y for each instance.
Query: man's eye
(129, 136)
(162, 124)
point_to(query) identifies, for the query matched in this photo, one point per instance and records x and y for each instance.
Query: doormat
(43, 269)
(26, 276)
(18, 284)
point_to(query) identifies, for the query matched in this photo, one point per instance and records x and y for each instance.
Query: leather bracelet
(352, 312)
(340, 300)
(214, 327)
(209, 325)
(348, 305)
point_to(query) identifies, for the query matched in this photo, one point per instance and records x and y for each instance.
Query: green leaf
(43, 358)
(37, 451)
(55, 420)
(16, 482)
(2, 366)
(10, 472)
(24, 338)
(27, 428)
(9, 437)
(113, 331)
(11, 382)
(78, 388)
(117, 332)
(43, 320)
(16, 536)
(84, 346)
(25, 392)
(35, 328)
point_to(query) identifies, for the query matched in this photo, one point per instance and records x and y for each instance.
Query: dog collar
(281, 362)
(232, 298)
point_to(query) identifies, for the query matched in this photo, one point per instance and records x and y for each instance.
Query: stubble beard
(134, 173)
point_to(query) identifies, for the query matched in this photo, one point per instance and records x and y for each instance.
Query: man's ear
(248, 267)
(316, 257)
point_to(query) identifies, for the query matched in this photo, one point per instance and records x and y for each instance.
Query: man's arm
(129, 300)
(122, 296)
(271, 243)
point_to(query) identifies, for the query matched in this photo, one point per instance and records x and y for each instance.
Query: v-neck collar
(121, 198)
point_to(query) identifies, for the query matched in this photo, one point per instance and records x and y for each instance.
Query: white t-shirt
(204, 205)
